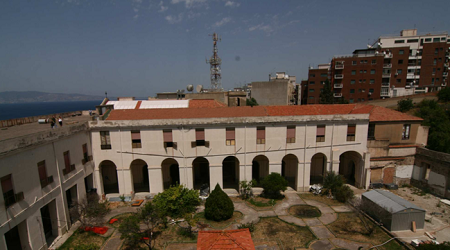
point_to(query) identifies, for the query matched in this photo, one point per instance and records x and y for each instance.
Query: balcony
(338, 85)
(339, 66)
(386, 75)
(385, 84)
(384, 92)
(387, 65)
(339, 76)
(337, 94)
(412, 76)
(444, 73)
(388, 55)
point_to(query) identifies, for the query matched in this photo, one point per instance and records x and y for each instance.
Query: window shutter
(42, 171)
(167, 134)
(200, 134)
(85, 149)
(351, 129)
(135, 135)
(320, 130)
(290, 132)
(230, 134)
(66, 160)
(7, 184)
(261, 133)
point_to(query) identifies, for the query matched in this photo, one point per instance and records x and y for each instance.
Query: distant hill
(36, 96)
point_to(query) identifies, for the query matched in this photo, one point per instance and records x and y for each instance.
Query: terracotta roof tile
(209, 103)
(227, 239)
(379, 114)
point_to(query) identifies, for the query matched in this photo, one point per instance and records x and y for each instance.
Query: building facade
(393, 66)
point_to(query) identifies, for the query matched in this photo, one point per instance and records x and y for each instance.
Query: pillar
(215, 176)
(155, 179)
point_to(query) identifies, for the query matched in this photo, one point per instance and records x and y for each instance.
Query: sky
(143, 47)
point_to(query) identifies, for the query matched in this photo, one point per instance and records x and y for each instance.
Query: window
(260, 135)
(400, 61)
(311, 98)
(353, 72)
(351, 130)
(427, 39)
(434, 71)
(371, 132)
(359, 90)
(436, 40)
(320, 134)
(352, 91)
(200, 137)
(401, 52)
(324, 75)
(437, 79)
(312, 75)
(353, 62)
(290, 135)
(372, 72)
(426, 168)
(365, 71)
(351, 100)
(412, 41)
(360, 81)
(136, 139)
(8, 191)
(67, 166)
(434, 61)
(362, 61)
(230, 137)
(399, 71)
(440, 59)
(405, 131)
(371, 90)
(432, 80)
(398, 81)
(45, 180)
(360, 71)
(352, 81)
(374, 61)
(168, 139)
(311, 90)
(85, 154)
(312, 82)
(105, 140)
(436, 51)
(372, 81)
(399, 41)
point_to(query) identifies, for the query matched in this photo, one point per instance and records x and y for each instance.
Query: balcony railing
(339, 66)
(385, 84)
(388, 56)
(339, 76)
(387, 65)
(384, 93)
(337, 94)
(444, 73)
(386, 75)
(338, 85)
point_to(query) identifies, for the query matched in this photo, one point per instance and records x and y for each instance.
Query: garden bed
(320, 198)
(119, 218)
(305, 211)
(287, 235)
(80, 238)
(349, 226)
(237, 216)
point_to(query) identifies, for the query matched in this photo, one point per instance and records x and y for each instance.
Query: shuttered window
(406, 131)
(351, 130)
(8, 191)
(320, 134)
(200, 137)
(85, 153)
(230, 137)
(44, 179)
(290, 135)
(260, 135)
(67, 161)
(105, 140)
(136, 139)
(168, 138)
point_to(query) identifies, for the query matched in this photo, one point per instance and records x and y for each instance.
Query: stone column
(186, 176)
(155, 179)
(215, 176)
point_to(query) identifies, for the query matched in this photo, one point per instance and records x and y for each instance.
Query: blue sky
(141, 47)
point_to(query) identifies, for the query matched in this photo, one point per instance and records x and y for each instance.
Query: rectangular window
(427, 39)
(200, 137)
(67, 166)
(44, 179)
(372, 72)
(352, 91)
(105, 140)
(406, 131)
(400, 61)
(312, 75)
(399, 81)
(290, 135)
(351, 100)
(311, 90)
(399, 71)
(436, 40)
(352, 81)
(320, 133)
(401, 52)
(372, 81)
(136, 139)
(353, 72)
(412, 40)
(230, 137)
(312, 83)
(353, 62)
(436, 51)
(8, 191)
(374, 61)
(399, 41)
(261, 135)
(434, 61)
(85, 153)
(351, 130)
(371, 90)
(324, 75)
(371, 132)
(168, 138)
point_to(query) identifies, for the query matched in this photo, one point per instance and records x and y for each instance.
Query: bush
(176, 201)
(218, 206)
(332, 182)
(272, 185)
(444, 95)
(344, 194)
(404, 105)
(250, 226)
(246, 189)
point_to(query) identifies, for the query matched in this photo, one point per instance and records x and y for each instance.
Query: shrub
(404, 105)
(218, 206)
(332, 182)
(250, 226)
(246, 189)
(272, 185)
(344, 194)
(444, 95)
(176, 201)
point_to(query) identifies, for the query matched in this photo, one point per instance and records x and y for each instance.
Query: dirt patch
(116, 204)
(288, 235)
(220, 225)
(305, 211)
(426, 201)
(80, 238)
(320, 198)
(349, 226)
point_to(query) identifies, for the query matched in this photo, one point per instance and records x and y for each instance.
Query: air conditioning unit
(396, 74)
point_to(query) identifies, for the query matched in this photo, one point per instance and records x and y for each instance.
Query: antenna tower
(215, 62)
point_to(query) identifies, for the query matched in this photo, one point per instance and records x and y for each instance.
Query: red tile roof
(227, 239)
(209, 103)
(377, 114)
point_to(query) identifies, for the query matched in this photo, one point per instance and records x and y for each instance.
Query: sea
(18, 110)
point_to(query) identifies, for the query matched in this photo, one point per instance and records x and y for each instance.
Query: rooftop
(227, 239)
(164, 104)
(389, 201)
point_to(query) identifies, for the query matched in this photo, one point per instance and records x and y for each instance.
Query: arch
(318, 168)
(230, 172)
(260, 167)
(200, 169)
(170, 173)
(139, 176)
(289, 170)
(108, 171)
(350, 163)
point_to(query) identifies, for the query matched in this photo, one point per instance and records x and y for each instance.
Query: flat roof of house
(376, 114)
(165, 104)
(389, 201)
(226, 239)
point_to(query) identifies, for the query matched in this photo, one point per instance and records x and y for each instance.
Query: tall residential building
(394, 66)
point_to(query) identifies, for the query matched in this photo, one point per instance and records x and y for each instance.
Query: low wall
(31, 119)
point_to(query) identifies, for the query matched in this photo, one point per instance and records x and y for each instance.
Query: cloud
(232, 4)
(266, 28)
(224, 21)
(172, 19)
(189, 3)
(162, 7)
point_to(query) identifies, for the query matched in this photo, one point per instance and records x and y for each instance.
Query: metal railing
(337, 94)
(338, 76)
(338, 85)
(387, 65)
(386, 75)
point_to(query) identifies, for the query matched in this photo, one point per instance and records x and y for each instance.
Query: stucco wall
(271, 93)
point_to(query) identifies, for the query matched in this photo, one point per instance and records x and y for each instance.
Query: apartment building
(393, 66)
(279, 90)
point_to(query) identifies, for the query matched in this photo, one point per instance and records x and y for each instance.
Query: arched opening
(318, 168)
(170, 173)
(108, 171)
(289, 169)
(139, 173)
(349, 167)
(200, 168)
(260, 168)
(230, 172)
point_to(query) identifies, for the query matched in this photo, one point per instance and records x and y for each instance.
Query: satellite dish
(190, 87)
(199, 88)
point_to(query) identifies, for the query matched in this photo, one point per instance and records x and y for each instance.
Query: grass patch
(420, 192)
(262, 202)
(320, 198)
(237, 216)
(346, 221)
(305, 211)
(120, 218)
(80, 238)
(288, 235)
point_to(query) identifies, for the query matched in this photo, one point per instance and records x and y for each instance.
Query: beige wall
(271, 93)
(393, 132)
